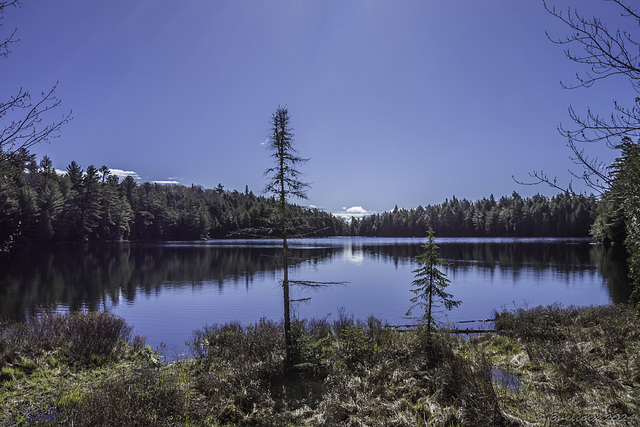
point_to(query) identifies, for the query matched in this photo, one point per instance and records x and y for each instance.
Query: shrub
(233, 341)
(343, 321)
(79, 336)
(95, 333)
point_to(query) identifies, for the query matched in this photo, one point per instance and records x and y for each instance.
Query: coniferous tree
(284, 183)
(50, 201)
(72, 214)
(430, 283)
(618, 218)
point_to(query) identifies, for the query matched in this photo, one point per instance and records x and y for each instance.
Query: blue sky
(395, 102)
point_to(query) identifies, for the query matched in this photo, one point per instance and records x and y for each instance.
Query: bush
(78, 336)
(95, 334)
(233, 342)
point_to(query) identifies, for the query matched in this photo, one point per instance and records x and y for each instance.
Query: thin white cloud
(353, 212)
(122, 174)
(165, 182)
(61, 172)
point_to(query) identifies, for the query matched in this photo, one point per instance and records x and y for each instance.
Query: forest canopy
(39, 205)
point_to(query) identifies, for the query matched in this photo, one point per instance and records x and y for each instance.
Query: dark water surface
(167, 290)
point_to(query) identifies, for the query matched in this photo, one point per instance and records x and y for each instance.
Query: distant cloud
(123, 174)
(171, 182)
(353, 211)
(357, 210)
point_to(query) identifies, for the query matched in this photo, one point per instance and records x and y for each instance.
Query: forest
(564, 215)
(38, 205)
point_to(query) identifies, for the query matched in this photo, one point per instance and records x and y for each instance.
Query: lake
(166, 290)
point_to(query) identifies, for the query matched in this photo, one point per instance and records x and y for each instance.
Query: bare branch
(11, 39)
(605, 53)
(542, 178)
(25, 117)
(25, 130)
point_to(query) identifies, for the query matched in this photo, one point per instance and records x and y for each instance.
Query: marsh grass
(574, 366)
(580, 366)
(78, 337)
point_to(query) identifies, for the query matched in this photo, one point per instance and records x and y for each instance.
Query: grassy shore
(546, 366)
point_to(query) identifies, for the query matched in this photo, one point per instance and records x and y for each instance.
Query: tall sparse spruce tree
(430, 283)
(284, 183)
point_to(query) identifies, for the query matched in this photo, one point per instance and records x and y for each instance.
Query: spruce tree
(430, 283)
(284, 183)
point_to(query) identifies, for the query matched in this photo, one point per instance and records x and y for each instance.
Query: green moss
(72, 396)
(10, 375)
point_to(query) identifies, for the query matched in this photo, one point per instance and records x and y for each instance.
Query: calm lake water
(167, 290)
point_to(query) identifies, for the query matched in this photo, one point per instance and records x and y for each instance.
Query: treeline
(39, 205)
(564, 215)
(618, 219)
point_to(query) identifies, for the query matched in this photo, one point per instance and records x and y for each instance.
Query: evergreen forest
(564, 215)
(38, 205)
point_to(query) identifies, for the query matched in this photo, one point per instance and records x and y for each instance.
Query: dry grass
(548, 366)
(577, 366)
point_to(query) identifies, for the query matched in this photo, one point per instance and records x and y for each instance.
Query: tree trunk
(285, 266)
(285, 293)
(430, 304)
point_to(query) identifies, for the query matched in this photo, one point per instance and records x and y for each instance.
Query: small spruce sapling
(430, 283)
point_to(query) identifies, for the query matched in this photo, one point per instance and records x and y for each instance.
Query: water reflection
(85, 276)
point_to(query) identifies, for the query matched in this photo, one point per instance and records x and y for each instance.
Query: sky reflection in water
(168, 290)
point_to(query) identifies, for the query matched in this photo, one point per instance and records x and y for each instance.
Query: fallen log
(406, 328)
(474, 321)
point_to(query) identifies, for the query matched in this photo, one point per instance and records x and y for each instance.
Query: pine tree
(430, 283)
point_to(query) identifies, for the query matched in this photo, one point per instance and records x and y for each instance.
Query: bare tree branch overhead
(6, 42)
(605, 53)
(25, 126)
(22, 116)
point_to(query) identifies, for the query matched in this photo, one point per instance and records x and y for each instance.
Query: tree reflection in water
(92, 276)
